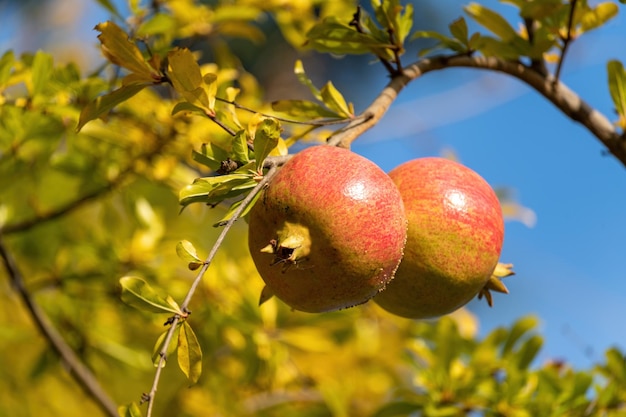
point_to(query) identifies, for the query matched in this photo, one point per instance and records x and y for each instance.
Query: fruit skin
(455, 237)
(329, 230)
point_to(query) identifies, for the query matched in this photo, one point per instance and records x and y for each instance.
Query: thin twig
(566, 41)
(77, 369)
(320, 123)
(185, 304)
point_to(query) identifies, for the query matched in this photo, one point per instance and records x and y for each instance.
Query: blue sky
(568, 264)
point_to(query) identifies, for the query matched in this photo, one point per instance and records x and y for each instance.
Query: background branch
(78, 370)
(555, 91)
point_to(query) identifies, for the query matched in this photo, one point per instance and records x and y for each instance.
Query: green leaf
(130, 410)
(444, 42)
(213, 190)
(492, 21)
(458, 29)
(303, 109)
(137, 293)
(233, 207)
(518, 330)
(617, 88)
(187, 252)
(334, 100)
(106, 102)
(6, 65)
(42, 71)
(616, 364)
(598, 15)
(189, 353)
(334, 37)
(184, 72)
(206, 157)
(240, 147)
(265, 140)
(185, 106)
(121, 51)
(528, 351)
(171, 347)
(304, 79)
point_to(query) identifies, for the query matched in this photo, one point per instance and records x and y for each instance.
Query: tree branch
(555, 91)
(78, 370)
(185, 304)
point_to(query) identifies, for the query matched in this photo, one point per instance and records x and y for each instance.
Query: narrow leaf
(137, 293)
(617, 88)
(185, 106)
(598, 16)
(189, 353)
(265, 140)
(303, 109)
(104, 103)
(206, 157)
(334, 100)
(121, 51)
(159, 345)
(304, 80)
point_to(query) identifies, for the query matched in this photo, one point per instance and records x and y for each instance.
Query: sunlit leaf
(189, 353)
(492, 21)
(121, 51)
(104, 103)
(304, 79)
(598, 15)
(6, 64)
(265, 140)
(303, 109)
(42, 71)
(206, 157)
(185, 106)
(334, 100)
(445, 42)
(138, 293)
(233, 207)
(130, 410)
(529, 350)
(213, 190)
(332, 36)
(240, 147)
(160, 344)
(184, 72)
(187, 252)
(617, 88)
(518, 330)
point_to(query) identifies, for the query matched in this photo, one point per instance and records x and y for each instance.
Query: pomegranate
(329, 230)
(454, 240)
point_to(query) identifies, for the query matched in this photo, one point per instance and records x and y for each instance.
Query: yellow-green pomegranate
(454, 238)
(329, 230)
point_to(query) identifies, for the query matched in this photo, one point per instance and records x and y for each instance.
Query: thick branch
(555, 91)
(81, 373)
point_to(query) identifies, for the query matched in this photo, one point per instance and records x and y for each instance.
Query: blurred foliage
(89, 193)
